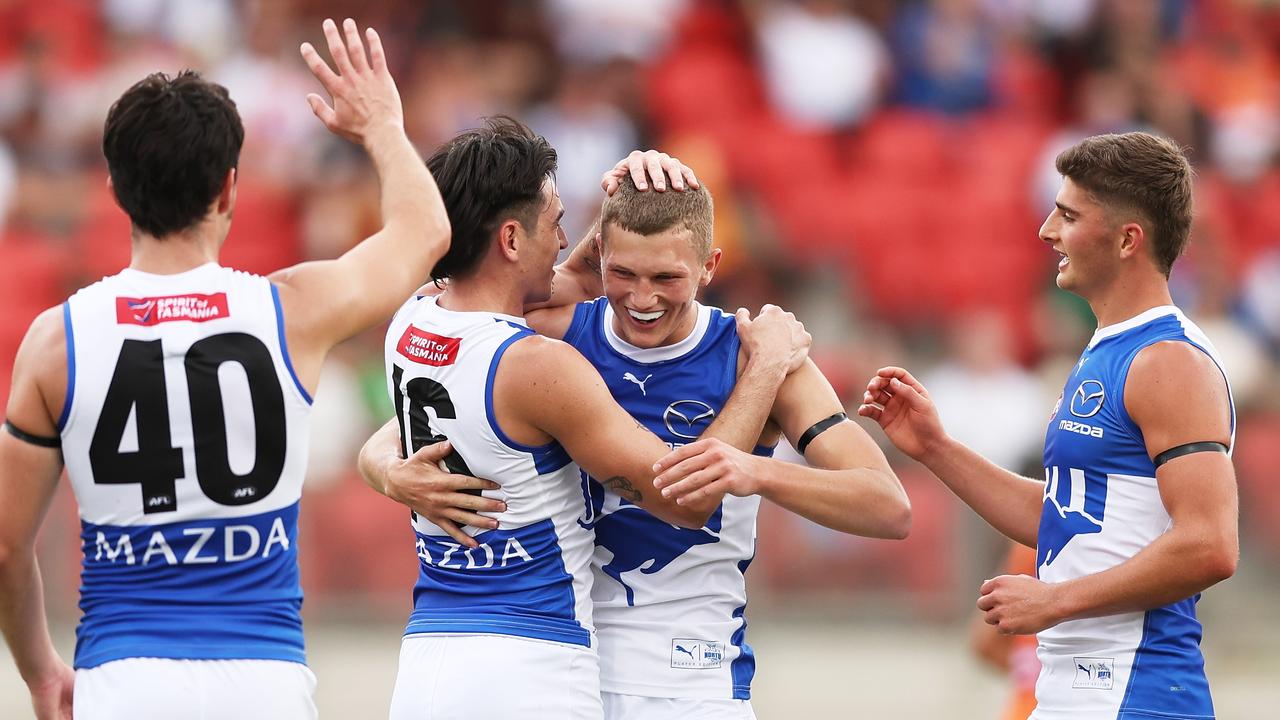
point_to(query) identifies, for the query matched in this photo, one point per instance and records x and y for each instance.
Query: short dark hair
(486, 176)
(1140, 172)
(169, 143)
(649, 213)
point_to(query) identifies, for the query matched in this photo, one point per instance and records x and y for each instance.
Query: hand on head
(646, 166)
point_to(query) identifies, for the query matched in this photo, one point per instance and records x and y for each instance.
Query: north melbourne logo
(1094, 673)
(688, 653)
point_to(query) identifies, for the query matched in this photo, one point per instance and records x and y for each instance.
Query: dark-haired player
(501, 625)
(1138, 510)
(177, 393)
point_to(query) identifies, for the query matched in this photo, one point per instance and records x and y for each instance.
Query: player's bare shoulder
(539, 365)
(1176, 382)
(42, 360)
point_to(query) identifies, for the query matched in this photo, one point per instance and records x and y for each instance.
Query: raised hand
(901, 405)
(646, 165)
(439, 496)
(774, 335)
(365, 98)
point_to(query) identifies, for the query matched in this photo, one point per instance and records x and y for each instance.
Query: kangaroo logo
(1088, 398)
(639, 541)
(1073, 505)
(629, 377)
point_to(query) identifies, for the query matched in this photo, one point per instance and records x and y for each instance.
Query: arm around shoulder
(544, 390)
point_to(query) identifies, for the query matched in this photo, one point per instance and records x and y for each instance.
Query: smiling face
(1088, 238)
(652, 281)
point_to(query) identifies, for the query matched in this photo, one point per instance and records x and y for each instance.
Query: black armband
(817, 429)
(1194, 447)
(26, 437)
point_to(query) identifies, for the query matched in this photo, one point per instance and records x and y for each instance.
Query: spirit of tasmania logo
(154, 310)
(428, 348)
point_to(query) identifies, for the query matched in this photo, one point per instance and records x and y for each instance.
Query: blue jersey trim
(284, 347)
(743, 668)
(581, 316)
(203, 589)
(546, 458)
(489, 626)
(126, 648)
(71, 366)
(463, 590)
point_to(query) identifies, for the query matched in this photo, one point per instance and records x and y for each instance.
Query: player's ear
(111, 188)
(510, 235)
(1132, 239)
(227, 195)
(709, 267)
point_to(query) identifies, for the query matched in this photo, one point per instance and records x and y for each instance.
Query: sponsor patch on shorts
(1094, 673)
(696, 654)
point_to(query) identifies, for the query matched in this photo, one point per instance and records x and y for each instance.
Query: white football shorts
(163, 689)
(443, 676)
(636, 707)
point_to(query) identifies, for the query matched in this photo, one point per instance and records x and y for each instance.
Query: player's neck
(482, 294)
(1129, 297)
(176, 253)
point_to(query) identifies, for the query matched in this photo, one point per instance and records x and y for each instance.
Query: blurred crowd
(879, 167)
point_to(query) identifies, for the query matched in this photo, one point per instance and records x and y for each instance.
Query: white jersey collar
(168, 278)
(1142, 318)
(434, 301)
(657, 354)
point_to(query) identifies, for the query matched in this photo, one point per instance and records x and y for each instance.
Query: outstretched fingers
(377, 56)
(337, 48)
(355, 48)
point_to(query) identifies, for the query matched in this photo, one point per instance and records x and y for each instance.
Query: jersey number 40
(138, 389)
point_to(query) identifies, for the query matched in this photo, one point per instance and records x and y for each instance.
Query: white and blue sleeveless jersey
(1101, 507)
(185, 437)
(531, 576)
(669, 601)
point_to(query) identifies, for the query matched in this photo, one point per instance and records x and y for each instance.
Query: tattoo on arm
(623, 488)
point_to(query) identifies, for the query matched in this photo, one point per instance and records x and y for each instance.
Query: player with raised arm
(669, 600)
(511, 595)
(177, 393)
(1138, 510)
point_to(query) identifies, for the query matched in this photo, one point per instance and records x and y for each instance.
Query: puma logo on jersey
(691, 654)
(194, 307)
(629, 377)
(1094, 673)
